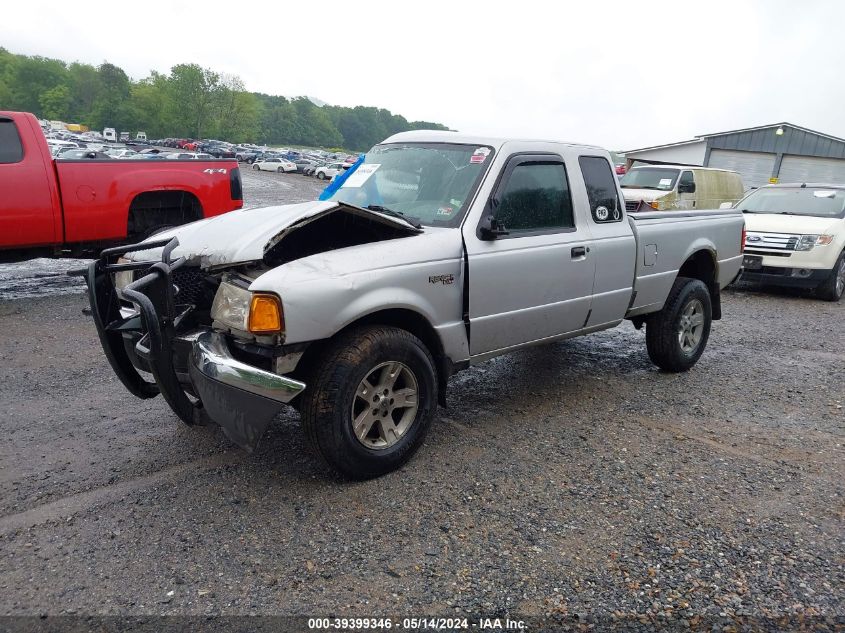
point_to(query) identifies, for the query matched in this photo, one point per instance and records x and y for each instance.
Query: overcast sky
(619, 74)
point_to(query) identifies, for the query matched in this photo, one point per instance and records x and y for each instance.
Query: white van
(110, 134)
(679, 187)
(141, 136)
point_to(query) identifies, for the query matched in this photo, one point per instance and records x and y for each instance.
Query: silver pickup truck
(438, 252)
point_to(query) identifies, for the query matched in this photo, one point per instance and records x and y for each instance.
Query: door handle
(579, 251)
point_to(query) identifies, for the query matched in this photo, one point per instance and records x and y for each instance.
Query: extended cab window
(535, 197)
(11, 150)
(601, 189)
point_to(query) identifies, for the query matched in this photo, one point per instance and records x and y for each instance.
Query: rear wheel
(321, 175)
(833, 287)
(281, 170)
(256, 167)
(677, 335)
(370, 401)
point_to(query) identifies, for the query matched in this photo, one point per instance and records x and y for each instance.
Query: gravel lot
(572, 479)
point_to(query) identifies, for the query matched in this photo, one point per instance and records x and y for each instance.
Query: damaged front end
(167, 333)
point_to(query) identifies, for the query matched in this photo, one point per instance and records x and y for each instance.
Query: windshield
(819, 202)
(650, 178)
(431, 182)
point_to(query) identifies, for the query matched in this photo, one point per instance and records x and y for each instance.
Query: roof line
(781, 124)
(698, 139)
(702, 137)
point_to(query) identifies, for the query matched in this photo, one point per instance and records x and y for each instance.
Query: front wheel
(370, 401)
(832, 288)
(256, 167)
(677, 335)
(321, 175)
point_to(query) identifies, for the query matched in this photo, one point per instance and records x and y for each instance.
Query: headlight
(240, 309)
(806, 242)
(124, 277)
(231, 306)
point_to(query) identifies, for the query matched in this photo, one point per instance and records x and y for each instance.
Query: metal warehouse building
(781, 152)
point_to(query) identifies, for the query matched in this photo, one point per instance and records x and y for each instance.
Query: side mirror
(686, 187)
(491, 228)
(726, 205)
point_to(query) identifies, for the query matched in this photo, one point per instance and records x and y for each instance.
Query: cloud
(617, 74)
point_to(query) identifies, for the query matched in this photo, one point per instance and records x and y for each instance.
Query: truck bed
(666, 239)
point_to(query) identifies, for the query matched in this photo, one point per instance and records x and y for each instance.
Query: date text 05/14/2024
(415, 624)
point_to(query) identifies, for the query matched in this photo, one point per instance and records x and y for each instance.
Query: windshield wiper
(396, 214)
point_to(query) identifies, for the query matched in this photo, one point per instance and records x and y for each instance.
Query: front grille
(772, 270)
(632, 205)
(752, 251)
(191, 286)
(774, 241)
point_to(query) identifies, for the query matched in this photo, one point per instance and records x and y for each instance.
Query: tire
(321, 175)
(337, 398)
(832, 288)
(156, 230)
(281, 170)
(688, 302)
(256, 168)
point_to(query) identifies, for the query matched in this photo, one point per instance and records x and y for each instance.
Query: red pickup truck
(76, 207)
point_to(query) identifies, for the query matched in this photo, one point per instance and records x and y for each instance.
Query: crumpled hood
(779, 223)
(245, 235)
(437, 247)
(646, 195)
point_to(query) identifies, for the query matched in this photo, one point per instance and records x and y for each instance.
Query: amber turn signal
(265, 314)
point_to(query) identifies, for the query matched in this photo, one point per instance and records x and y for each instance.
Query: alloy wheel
(691, 326)
(385, 405)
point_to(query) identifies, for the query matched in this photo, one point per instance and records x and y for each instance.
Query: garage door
(754, 167)
(808, 169)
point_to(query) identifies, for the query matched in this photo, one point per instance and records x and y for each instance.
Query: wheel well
(407, 320)
(702, 266)
(154, 209)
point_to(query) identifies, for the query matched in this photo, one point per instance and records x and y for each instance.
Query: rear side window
(11, 150)
(535, 197)
(601, 189)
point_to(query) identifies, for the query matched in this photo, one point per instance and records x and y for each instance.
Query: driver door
(536, 281)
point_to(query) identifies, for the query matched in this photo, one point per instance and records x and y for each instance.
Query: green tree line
(190, 101)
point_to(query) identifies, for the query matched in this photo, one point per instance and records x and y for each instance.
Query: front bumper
(240, 398)
(787, 277)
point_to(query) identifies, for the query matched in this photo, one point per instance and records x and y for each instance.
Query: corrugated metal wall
(792, 141)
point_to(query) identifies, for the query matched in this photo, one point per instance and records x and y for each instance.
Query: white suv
(329, 171)
(796, 237)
